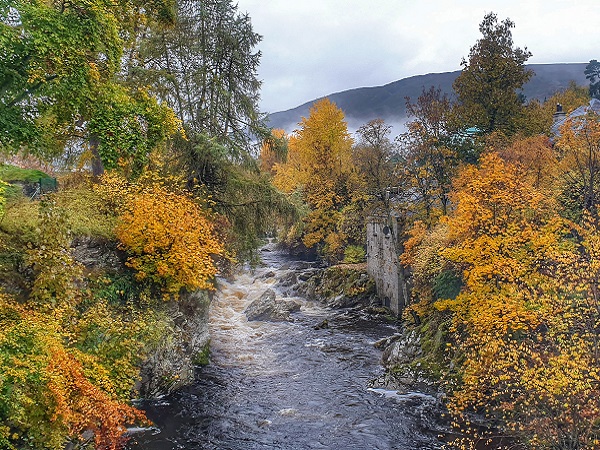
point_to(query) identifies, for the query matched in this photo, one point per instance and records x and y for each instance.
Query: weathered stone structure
(384, 246)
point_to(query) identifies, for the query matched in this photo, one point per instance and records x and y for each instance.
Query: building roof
(561, 118)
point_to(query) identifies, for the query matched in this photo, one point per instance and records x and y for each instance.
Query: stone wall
(383, 249)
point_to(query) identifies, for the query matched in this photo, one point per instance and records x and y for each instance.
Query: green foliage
(51, 59)
(592, 73)
(51, 393)
(206, 58)
(245, 197)
(11, 173)
(487, 86)
(354, 254)
(202, 358)
(129, 126)
(58, 67)
(119, 289)
(446, 285)
(55, 273)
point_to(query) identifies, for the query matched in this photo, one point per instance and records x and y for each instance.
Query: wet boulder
(401, 349)
(269, 308)
(342, 286)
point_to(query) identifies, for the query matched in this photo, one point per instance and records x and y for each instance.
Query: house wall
(384, 247)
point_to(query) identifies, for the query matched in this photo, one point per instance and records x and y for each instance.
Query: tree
(580, 143)
(487, 86)
(524, 325)
(375, 156)
(428, 158)
(536, 157)
(319, 163)
(539, 117)
(205, 68)
(592, 73)
(170, 239)
(58, 75)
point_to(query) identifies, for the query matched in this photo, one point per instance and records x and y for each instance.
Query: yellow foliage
(170, 240)
(536, 158)
(319, 163)
(50, 392)
(525, 324)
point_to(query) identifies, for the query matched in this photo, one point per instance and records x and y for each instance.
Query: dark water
(287, 385)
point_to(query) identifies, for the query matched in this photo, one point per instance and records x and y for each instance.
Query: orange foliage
(170, 240)
(82, 406)
(536, 158)
(525, 325)
(50, 392)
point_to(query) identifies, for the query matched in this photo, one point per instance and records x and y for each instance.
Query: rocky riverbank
(170, 358)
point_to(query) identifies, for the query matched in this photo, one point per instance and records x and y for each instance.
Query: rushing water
(286, 385)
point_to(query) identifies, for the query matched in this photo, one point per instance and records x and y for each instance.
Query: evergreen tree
(592, 73)
(205, 68)
(487, 88)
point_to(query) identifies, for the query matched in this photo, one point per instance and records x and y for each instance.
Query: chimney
(559, 118)
(559, 115)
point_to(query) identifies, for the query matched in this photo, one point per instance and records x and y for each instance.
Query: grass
(11, 174)
(85, 214)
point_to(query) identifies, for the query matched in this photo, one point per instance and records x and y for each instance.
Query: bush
(354, 254)
(170, 240)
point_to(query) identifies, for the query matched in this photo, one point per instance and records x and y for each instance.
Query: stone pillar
(384, 247)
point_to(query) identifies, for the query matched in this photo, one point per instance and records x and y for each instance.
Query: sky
(312, 48)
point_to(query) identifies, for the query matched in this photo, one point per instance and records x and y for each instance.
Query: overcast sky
(312, 48)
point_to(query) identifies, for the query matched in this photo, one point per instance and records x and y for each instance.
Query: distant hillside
(388, 102)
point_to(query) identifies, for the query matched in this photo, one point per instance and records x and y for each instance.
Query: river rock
(305, 275)
(323, 325)
(402, 349)
(170, 364)
(339, 287)
(268, 308)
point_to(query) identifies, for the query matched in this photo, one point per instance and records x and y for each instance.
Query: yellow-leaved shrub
(170, 240)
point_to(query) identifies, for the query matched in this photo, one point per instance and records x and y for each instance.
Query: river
(287, 385)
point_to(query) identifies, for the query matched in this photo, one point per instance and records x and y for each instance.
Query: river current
(286, 385)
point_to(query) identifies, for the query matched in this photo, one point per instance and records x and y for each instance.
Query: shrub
(170, 240)
(354, 254)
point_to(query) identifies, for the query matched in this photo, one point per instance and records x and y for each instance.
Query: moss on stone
(202, 357)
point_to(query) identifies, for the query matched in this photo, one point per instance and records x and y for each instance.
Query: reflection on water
(285, 385)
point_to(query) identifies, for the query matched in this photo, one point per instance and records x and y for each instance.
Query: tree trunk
(97, 166)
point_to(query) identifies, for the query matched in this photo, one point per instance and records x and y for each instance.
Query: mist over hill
(388, 101)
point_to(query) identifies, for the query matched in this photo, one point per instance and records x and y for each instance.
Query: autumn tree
(522, 337)
(537, 159)
(51, 393)
(319, 163)
(580, 143)
(487, 88)
(170, 239)
(428, 157)
(539, 117)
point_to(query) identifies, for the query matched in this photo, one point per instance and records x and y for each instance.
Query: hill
(388, 101)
